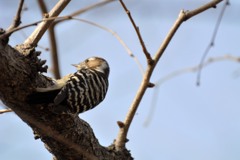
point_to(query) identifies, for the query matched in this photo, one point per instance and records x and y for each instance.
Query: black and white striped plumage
(84, 89)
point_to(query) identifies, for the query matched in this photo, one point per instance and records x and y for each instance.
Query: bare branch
(53, 43)
(180, 72)
(17, 19)
(33, 39)
(148, 56)
(5, 111)
(16, 22)
(184, 15)
(212, 41)
(201, 9)
(8, 33)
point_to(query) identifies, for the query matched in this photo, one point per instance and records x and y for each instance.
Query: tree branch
(33, 39)
(5, 111)
(97, 4)
(53, 43)
(183, 16)
(65, 136)
(212, 41)
(56, 135)
(17, 20)
(145, 51)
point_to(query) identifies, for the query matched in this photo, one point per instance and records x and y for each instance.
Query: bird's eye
(87, 60)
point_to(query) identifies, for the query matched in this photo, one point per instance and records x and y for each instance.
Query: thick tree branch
(48, 131)
(183, 16)
(65, 136)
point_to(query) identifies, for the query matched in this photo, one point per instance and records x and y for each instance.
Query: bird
(78, 92)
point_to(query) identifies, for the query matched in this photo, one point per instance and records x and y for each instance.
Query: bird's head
(95, 63)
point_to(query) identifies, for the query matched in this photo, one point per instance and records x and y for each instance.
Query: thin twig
(145, 51)
(180, 72)
(53, 43)
(117, 37)
(92, 6)
(98, 4)
(17, 19)
(212, 41)
(8, 33)
(5, 111)
(122, 134)
(37, 34)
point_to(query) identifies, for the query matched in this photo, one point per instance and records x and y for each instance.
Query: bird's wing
(58, 84)
(62, 95)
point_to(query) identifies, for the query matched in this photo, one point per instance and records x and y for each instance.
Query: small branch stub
(120, 124)
(5, 111)
(151, 85)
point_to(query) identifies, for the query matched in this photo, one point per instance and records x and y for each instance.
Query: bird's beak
(75, 65)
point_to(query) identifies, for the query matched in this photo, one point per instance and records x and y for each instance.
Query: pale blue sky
(189, 122)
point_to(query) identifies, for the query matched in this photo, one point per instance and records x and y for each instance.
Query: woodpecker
(80, 91)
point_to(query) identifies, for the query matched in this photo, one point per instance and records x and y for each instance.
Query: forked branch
(33, 39)
(183, 16)
(17, 19)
